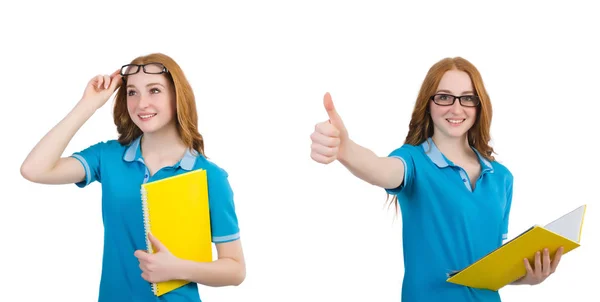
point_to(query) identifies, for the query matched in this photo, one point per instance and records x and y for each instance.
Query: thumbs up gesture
(329, 136)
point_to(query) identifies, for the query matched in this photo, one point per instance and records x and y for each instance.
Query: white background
(259, 70)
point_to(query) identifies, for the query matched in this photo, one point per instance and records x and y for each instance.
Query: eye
(154, 90)
(468, 98)
(131, 93)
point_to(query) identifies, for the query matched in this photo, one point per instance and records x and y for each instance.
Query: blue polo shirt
(121, 171)
(447, 225)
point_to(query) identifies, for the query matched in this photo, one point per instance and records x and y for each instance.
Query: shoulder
(407, 149)
(502, 170)
(211, 167)
(114, 144)
(105, 146)
(219, 185)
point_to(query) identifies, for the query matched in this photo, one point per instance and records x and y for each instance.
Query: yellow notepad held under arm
(505, 264)
(176, 212)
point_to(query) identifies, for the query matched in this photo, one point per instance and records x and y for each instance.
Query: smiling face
(453, 121)
(151, 101)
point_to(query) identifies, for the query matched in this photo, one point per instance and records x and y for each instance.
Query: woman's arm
(44, 163)
(385, 172)
(229, 269)
(330, 142)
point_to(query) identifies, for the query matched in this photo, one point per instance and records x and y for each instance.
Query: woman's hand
(329, 137)
(159, 266)
(542, 268)
(100, 88)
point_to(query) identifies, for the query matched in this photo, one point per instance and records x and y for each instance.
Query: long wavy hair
(187, 116)
(421, 124)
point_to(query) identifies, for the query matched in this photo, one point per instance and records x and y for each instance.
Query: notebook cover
(505, 264)
(176, 212)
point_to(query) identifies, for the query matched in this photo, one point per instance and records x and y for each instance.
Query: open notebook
(176, 212)
(505, 264)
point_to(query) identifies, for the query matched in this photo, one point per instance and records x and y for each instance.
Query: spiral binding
(146, 212)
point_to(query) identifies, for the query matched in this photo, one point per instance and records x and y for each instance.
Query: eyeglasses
(150, 68)
(448, 100)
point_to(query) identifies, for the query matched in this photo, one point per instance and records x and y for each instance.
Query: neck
(455, 148)
(162, 142)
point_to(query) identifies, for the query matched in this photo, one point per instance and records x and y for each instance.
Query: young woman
(454, 197)
(156, 119)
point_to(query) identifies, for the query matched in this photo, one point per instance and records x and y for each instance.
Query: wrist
(345, 151)
(85, 105)
(181, 269)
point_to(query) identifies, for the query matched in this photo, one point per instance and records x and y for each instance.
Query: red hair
(421, 125)
(187, 116)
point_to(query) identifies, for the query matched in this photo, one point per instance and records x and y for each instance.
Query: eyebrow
(449, 92)
(148, 85)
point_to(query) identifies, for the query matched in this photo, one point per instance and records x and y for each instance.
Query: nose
(144, 101)
(456, 107)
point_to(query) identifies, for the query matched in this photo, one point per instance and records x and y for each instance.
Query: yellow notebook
(505, 264)
(176, 212)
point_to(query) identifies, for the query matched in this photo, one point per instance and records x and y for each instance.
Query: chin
(454, 133)
(146, 128)
(457, 134)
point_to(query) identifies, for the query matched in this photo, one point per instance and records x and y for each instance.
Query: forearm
(222, 272)
(44, 156)
(363, 163)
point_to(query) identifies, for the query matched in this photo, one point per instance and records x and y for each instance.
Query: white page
(569, 225)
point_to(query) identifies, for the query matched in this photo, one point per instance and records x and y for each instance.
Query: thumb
(158, 246)
(334, 117)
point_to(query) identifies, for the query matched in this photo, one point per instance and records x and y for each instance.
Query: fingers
(543, 265)
(325, 143)
(96, 81)
(528, 267)
(546, 264)
(106, 81)
(143, 266)
(556, 259)
(321, 158)
(142, 255)
(323, 150)
(115, 80)
(326, 134)
(327, 129)
(116, 73)
(538, 263)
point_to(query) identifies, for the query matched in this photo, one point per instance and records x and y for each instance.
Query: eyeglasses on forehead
(150, 68)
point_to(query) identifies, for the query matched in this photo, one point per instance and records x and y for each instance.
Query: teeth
(147, 116)
(455, 121)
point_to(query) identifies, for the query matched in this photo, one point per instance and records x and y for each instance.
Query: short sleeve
(403, 153)
(90, 159)
(507, 206)
(223, 218)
